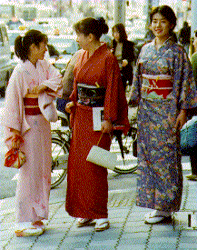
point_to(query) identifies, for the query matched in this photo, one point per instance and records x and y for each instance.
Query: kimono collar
(28, 66)
(167, 42)
(99, 50)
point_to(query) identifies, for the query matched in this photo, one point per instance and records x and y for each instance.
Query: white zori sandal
(25, 229)
(157, 216)
(82, 222)
(101, 224)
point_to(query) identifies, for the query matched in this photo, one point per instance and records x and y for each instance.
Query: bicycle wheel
(60, 151)
(128, 164)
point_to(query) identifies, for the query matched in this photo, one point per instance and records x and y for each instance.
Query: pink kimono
(34, 181)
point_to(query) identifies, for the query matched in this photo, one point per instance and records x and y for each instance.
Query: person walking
(33, 86)
(124, 52)
(164, 89)
(87, 186)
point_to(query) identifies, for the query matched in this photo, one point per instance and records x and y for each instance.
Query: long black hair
(90, 25)
(121, 30)
(22, 44)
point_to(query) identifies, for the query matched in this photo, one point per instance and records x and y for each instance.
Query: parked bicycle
(126, 163)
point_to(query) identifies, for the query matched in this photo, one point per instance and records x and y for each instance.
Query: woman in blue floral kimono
(164, 89)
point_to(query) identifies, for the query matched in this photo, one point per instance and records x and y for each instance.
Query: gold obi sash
(31, 104)
(156, 86)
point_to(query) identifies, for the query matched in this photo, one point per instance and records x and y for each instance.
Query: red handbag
(14, 158)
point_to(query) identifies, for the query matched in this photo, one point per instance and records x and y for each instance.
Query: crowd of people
(164, 88)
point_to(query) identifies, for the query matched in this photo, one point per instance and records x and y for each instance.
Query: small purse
(188, 137)
(102, 157)
(14, 158)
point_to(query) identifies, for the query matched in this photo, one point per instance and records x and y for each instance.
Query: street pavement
(127, 228)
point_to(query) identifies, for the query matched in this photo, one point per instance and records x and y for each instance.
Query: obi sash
(31, 105)
(90, 95)
(156, 86)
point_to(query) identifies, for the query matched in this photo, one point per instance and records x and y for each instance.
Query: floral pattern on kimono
(159, 185)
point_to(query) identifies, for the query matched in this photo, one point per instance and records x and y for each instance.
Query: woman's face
(116, 35)
(160, 26)
(83, 40)
(39, 51)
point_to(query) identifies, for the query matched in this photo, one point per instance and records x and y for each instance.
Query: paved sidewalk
(127, 230)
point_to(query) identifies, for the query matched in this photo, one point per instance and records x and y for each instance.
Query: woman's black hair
(22, 44)
(166, 12)
(121, 30)
(90, 25)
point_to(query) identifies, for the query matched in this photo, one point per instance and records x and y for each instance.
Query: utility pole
(119, 11)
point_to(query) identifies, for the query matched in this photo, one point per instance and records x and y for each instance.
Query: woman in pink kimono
(28, 111)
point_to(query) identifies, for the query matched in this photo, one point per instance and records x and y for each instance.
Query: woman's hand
(181, 119)
(69, 106)
(124, 62)
(106, 127)
(39, 89)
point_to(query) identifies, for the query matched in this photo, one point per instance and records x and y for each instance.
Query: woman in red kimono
(87, 186)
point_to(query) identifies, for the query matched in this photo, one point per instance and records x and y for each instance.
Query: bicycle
(61, 145)
(60, 151)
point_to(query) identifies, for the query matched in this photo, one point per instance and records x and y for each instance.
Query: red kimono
(87, 187)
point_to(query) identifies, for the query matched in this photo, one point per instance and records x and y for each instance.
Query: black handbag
(188, 137)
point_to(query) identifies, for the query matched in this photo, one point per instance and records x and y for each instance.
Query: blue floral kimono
(159, 184)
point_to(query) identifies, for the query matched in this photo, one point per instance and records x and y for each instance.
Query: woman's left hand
(106, 127)
(181, 119)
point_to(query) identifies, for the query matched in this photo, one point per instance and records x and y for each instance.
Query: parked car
(6, 66)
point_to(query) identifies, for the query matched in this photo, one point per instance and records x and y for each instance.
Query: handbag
(14, 158)
(188, 137)
(102, 157)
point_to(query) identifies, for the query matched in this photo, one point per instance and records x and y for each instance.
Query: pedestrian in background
(87, 186)
(164, 88)
(124, 52)
(33, 86)
(184, 36)
(193, 156)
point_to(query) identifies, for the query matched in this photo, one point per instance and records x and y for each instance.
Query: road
(8, 177)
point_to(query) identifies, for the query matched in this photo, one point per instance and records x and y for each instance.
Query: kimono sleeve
(136, 85)
(185, 80)
(115, 106)
(54, 79)
(111, 96)
(12, 115)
